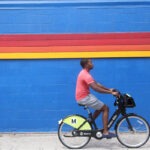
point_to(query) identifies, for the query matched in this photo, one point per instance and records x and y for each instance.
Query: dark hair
(83, 62)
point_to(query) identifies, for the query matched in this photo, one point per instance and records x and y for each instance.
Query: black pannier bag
(128, 101)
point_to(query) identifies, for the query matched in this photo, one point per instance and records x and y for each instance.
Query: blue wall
(75, 17)
(35, 94)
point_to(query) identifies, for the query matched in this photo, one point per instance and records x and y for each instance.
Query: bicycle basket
(128, 101)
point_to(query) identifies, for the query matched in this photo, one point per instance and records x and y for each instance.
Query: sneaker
(109, 135)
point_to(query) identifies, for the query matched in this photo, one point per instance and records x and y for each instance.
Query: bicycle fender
(76, 121)
(130, 114)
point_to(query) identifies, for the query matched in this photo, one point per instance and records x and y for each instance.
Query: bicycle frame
(113, 118)
(120, 110)
(111, 121)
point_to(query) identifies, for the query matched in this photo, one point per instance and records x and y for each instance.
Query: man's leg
(105, 116)
(105, 111)
(96, 114)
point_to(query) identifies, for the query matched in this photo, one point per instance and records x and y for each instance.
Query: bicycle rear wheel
(67, 132)
(133, 137)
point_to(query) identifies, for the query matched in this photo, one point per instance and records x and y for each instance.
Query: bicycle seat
(85, 107)
(81, 105)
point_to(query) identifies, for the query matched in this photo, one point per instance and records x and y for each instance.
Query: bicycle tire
(136, 138)
(65, 132)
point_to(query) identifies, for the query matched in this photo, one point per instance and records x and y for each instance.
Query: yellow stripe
(52, 55)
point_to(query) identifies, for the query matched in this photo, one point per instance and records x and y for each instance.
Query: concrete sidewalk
(50, 141)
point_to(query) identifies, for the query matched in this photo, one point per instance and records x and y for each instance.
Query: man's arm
(101, 89)
(101, 86)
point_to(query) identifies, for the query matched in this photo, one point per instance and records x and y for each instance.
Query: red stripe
(28, 37)
(74, 39)
(45, 43)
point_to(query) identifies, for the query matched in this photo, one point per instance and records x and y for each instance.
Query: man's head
(86, 63)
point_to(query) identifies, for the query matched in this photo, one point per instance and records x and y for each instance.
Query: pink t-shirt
(82, 85)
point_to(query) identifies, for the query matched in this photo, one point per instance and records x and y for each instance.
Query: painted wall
(75, 17)
(35, 94)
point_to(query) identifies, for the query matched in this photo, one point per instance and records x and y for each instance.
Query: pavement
(50, 141)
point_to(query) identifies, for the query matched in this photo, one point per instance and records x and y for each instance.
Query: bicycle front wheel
(67, 132)
(133, 131)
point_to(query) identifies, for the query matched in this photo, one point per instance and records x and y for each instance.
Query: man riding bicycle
(83, 96)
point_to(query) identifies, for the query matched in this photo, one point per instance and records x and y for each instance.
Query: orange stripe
(75, 49)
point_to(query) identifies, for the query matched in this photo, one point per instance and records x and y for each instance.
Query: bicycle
(132, 130)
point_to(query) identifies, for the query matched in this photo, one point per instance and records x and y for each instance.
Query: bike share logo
(74, 121)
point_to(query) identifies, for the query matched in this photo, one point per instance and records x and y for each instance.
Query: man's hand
(115, 92)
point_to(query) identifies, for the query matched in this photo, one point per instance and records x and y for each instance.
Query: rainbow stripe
(102, 45)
